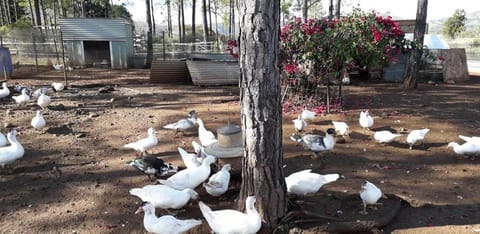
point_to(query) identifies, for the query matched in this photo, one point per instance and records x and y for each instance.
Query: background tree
(410, 81)
(194, 3)
(205, 23)
(455, 24)
(149, 58)
(262, 171)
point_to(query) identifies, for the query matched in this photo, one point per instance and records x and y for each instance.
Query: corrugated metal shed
(87, 37)
(169, 71)
(214, 72)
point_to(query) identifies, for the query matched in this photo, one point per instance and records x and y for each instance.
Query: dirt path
(73, 176)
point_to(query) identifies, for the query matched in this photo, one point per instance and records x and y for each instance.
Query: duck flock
(175, 188)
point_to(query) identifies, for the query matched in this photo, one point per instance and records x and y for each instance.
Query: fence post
(63, 58)
(35, 51)
(163, 44)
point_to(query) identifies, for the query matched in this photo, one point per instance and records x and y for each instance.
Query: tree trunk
(410, 81)
(194, 4)
(31, 12)
(183, 20)
(205, 23)
(337, 10)
(262, 173)
(45, 21)
(216, 23)
(305, 10)
(169, 19)
(179, 23)
(15, 11)
(149, 59)
(153, 18)
(330, 10)
(2, 14)
(9, 14)
(230, 19)
(38, 18)
(210, 29)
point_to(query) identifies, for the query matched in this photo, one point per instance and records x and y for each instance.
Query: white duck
(366, 121)
(385, 136)
(473, 139)
(4, 92)
(57, 86)
(3, 140)
(144, 144)
(369, 195)
(190, 177)
(299, 123)
(341, 128)
(41, 90)
(305, 182)
(43, 101)
(307, 114)
(316, 143)
(189, 160)
(218, 182)
(468, 148)
(233, 221)
(22, 98)
(38, 121)
(416, 135)
(166, 224)
(183, 124)
(205, 136)
(14, 151)
(164, 197)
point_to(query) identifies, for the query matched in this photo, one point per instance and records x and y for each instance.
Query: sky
(405, 9)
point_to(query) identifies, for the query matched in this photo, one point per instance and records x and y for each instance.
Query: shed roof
(94, 29)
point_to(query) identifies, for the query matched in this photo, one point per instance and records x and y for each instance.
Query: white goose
(58, 86)
(369, 195)
(164, 197)
(366, 121)
(307, 114)
(468, 148)
(166, 224)
(305, 182)
(183, 124)
(13, 152)
(341, 128)
(41, 90)
(38, 121)
(144, 144)
(4, 92)
(233, 221)
(190, 177)
(385, 136)
(299, 123)
(3, 140)
(22, 98)
(206, 137)
(473, 139)
(416, 135)
(43, 100)
(218, 182)
(189, 160)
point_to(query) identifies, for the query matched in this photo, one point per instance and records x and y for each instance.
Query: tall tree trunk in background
(179, 23)
(205, 23)
(2, 14)
(153, 18)
(261, 115)
(8, 13)
(194, 4)
(330, 10)
(169, 19)
(45, 21)
(64, 8)
(410, 81)
(337, 9)
(38, 17)
(31, 12)
(149, 59)
(210, 29)
(216, 20)
(305, 11)
(183, 20)
(233, 17)
(15, 11)
(230, 19)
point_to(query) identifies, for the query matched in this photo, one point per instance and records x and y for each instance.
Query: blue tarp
(5, 62)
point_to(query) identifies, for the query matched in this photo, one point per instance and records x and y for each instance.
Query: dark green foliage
(455, 24)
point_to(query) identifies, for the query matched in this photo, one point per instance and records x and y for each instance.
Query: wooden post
(35, 51)
(163, 44)
(63, 58)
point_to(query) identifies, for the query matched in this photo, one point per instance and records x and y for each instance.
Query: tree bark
(153, 18)
(210, 29)
(262, 173)
(9, 15)
(183, 20)
(179, 23)
(230, 19)
(205, 23)
(2, 14)
(149, 58)
(410, 81)
(31, 12)
(38, 18)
